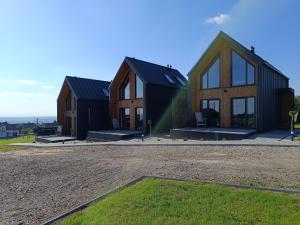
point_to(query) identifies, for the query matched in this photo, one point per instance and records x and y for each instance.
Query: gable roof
(151, 73)
(84, 88)
(249, 53)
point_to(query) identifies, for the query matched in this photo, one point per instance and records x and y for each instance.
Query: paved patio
(272, 138)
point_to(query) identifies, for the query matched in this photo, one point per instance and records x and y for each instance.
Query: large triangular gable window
(242, 71)
(125, 89)
(211, 78)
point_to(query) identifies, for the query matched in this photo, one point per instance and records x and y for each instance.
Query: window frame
(246, 111)
(136, 121)
(206, 73)
(169, 79)
(137, 76)
(68, 102)
(122, 113)
(211, 99)
(122, 88)
(247, 62)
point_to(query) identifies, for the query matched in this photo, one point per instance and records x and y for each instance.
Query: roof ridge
(83, 78)
(155, 64)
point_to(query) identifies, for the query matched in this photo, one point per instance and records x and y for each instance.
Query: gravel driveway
(38, 184)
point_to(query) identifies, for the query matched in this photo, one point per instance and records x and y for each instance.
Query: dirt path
(38, 184)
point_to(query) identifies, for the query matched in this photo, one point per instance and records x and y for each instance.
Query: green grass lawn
(297, 126)
(166, 202)
(23, 139)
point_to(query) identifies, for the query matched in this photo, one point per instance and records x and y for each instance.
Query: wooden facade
(82, 106)
(222, 47)
(157, 96)
(116, 103)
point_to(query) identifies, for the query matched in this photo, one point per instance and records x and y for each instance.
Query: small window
(68, 102)
(180, 80)
(169, 79)
(105, 92)
(139, 118)
(75, 103)
(204, 81)
(139, 87)
(250, 74)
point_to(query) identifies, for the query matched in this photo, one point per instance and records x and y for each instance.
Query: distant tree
(26, 132)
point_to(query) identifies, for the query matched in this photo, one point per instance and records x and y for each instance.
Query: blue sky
(42, 41)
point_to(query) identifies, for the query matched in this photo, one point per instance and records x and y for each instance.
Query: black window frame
(122, 113)
(211, 99)
(137, 76)
(125, 82)
(206, 73)
(246, 70)
(136, 119)
(69, 102)
(246, 110)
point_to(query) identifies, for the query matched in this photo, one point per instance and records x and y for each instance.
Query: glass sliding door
(139, 118)
(211, 111)
(243, 112)
(125, 118)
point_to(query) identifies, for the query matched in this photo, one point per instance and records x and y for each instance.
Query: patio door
(124, 116)
(243, 112)
(211, 111)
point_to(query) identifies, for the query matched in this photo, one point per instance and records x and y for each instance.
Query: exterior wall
(223, 49)
(164, 109)
(92, 115)
(61, 109)
(132, 103)
(269, 104)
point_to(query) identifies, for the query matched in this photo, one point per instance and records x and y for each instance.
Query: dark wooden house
(82, 106)
(240, 88)
(142, 92)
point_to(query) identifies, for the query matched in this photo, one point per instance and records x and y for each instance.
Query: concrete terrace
(272, 138)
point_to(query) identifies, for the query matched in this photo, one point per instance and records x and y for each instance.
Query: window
(139, 119)
(105, 92)
(68, 102)
(125, 118)
(211, 111)
(74, 105)
(139, 87)
(169, 79)
(211, 79)
(181, 80)
(242, 71)
(125, 89)
(243, 112)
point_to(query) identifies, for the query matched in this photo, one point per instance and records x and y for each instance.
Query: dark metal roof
(155, 74)
(242, 47)
(84, 88)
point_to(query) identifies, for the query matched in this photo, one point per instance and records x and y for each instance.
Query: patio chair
(200, 121)
(115, 123)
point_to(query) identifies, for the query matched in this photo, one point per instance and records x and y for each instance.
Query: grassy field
(297, 126)
(166, 202)
(4, 142)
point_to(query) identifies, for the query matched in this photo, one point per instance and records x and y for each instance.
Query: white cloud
(48, 87)
(28, 82)
(23, 94)
(219, 19)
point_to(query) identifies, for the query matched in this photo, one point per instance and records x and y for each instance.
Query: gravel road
(38, 184)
